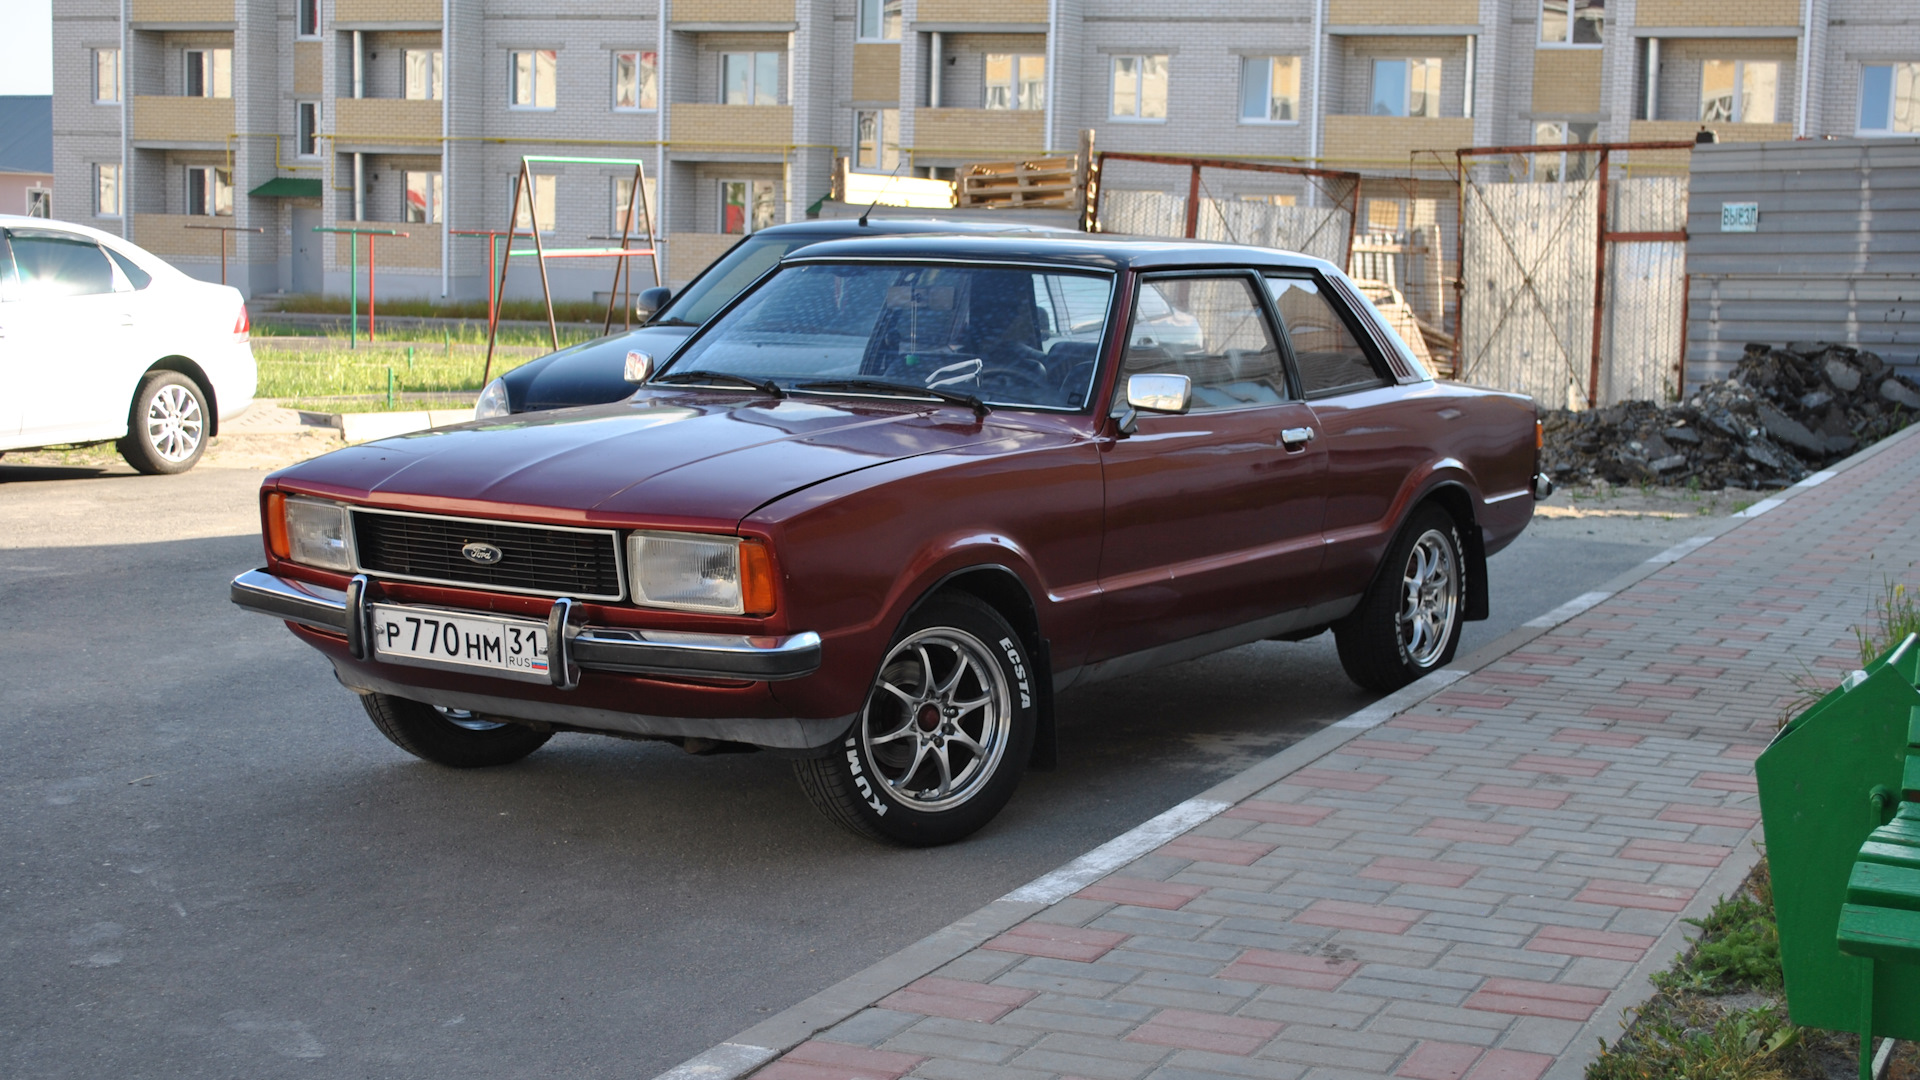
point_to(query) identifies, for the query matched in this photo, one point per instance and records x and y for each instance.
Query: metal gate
(1289, 207)
(1573, 288)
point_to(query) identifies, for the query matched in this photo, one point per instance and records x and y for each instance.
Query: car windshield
(1013, 336)
(725, 279)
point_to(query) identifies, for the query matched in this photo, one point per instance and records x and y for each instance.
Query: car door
(1363, 424)
(1213, 517)
(70, 332)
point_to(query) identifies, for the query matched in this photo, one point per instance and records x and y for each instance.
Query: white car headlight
(317, 534)
(493, 401)
(687, 572)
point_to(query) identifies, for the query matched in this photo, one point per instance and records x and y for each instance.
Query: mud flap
(1475, 602)
(1045, 756)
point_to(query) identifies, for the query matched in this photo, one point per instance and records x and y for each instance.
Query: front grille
(535, 559)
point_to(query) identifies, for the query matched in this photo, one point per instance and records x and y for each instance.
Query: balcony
(978, 133)
(182, 121)
(1684, 131)
(385, 121)
(167, 235)
(1023, 13)
(730, 129)
(364, 13)
(720, 12)
(1387, 142)
(688, 253)
(1692, 13)
(1397, 13)
(418, 250)
(183, 12)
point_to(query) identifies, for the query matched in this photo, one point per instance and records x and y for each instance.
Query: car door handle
(1296, 436)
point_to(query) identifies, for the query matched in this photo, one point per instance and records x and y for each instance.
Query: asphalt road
(216, 867)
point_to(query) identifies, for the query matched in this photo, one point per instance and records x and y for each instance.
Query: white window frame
(1139, 87)
(536, 88)
(1893, 97)
(46, 198)
(1017, 82)
(646, 69)
(113, 70)
(617, 205)
(547, 182)
(1739, 82)
(108, 173)
(747, 226)
(306, 139)
(1572, 6)
(1267, 62)
(306, 19)
(1563, 135)
(210, 180)
(1406, 102)
(872, 22)
(434, 190)
(886, 151)
(752, 60)
(208, 61)
(436, 74)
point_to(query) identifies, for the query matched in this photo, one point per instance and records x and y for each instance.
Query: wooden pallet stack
(1058, 182)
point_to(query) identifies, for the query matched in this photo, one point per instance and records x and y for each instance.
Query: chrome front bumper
(575, 647)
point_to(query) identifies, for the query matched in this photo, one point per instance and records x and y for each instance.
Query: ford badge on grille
(483, 553)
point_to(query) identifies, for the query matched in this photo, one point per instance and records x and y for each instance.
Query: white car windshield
(1011, 336)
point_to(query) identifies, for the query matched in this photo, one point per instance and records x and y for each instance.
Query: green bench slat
(1913, 727)
(1880, 933)
(1910, 780)
(1881, 885)
(1890, 854)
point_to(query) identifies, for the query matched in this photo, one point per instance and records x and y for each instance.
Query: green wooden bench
(1880, 921)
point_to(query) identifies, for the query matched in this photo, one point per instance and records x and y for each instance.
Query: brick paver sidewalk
(1455, 893)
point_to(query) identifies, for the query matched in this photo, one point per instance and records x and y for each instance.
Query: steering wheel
(1026, 380)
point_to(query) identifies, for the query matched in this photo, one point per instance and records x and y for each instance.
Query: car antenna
(882, 192)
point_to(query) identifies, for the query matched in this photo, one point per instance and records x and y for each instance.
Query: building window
(542, 201)
(210, 73)
(1270, 89)
(210, 192)
(39, 202)
(1140, 87)
(1016, 81)
(1553, 168)
(636, 83)
(306, 141)
(106, 76)
(1572, 22)
(750, 78)
(1406, 88)
(1741, 91)
(308, 19)
(531, 74)
(876, 140)
(106, 190)
(423, 80)
(879, 20)
(622, 190)
(1890, 99)
(423, 198)
(746, 205)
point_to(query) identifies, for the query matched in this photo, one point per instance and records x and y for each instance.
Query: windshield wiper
(723, 378)
(980, 408)
(672, 321)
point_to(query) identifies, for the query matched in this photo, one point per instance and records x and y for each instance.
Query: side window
(135, 276)
(51, 266)
(1331, 360)
(1214, 331)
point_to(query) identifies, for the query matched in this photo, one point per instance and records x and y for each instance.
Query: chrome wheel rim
(1429, 598)
(461, 718)
(937, 723)
(174, 423)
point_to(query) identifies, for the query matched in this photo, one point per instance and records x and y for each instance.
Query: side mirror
(650, 301)
(1172, 394)
(639, 366)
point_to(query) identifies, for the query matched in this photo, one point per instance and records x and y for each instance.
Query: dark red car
(885, 506)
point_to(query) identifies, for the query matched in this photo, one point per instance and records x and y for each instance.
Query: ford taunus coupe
(895, 497)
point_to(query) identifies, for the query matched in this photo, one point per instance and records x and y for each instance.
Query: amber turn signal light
(1539, 435)
(756, 578)
(277, 525)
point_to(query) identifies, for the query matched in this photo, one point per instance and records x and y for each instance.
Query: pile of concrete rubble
(1781, 414)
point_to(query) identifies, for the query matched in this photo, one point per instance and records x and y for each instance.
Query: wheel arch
(1001, 588)
(185, 366)
(1454, 498)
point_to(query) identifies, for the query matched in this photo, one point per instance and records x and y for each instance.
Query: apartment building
(412, 115)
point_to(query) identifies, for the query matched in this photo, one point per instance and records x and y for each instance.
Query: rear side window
(136, 277)
(1213, 330)
(51, 265)
(1331, 359)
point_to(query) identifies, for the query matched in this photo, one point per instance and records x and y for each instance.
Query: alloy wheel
(174, 423)
(938, 721)
(1430, 598)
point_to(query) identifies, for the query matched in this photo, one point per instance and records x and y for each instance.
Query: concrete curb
(767, 1040)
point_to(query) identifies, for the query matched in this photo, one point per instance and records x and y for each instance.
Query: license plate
(515, 648)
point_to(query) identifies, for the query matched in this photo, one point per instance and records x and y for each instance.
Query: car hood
(591, 373)
(663, 457)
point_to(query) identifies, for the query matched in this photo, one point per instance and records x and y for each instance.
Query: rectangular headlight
(317, 534)
(686, 572)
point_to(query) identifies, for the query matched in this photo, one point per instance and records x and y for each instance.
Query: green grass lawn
(566, 311)
(307, 373)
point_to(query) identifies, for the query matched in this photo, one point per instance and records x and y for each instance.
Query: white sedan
(102, 341)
